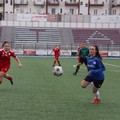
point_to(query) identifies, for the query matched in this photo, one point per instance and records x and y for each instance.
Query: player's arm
(16, 58)
(78, 52)
(59, 52)
(19, 62)
(101, 67)
(52, 51)
(0, 52)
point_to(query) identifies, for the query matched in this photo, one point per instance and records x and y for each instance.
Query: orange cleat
(96, 101)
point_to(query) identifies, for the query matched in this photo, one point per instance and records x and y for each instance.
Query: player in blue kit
(95, 77)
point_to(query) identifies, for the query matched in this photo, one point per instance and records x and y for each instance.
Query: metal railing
(69, 21)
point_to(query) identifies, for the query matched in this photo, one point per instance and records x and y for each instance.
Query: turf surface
(39, 95)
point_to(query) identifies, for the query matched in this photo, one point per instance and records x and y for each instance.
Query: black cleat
(74, 73)
(11, 81)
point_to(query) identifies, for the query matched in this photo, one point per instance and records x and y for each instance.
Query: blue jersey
(96, 67)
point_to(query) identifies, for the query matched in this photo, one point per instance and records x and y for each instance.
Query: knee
(95, 90)
(83, 86)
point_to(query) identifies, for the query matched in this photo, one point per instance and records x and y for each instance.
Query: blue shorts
(97, 83)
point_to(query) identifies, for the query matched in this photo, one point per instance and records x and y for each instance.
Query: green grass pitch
(39, 95)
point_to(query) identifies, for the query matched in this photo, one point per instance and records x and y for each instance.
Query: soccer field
(39, 95)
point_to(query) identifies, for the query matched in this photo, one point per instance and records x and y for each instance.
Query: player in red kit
(5, 54)
(56, 51)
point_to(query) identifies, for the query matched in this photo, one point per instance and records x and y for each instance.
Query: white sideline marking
(113, 70)
(117, 71)
(112, 65)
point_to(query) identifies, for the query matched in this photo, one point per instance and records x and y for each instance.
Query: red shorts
(57, 57)
(4, 68)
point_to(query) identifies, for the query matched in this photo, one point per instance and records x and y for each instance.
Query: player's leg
(77, 68)
(9, 78)
(78, 58)
(4, 69)
(85, 61)
(54, 62)
(87, 82)
(84, 83)
(96, 93)
(58, 61)
(97, 85)
(1, 76)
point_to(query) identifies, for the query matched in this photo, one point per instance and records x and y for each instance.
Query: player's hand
(20, 65)
(89, 72)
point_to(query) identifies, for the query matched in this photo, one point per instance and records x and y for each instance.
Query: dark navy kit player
(95, 76)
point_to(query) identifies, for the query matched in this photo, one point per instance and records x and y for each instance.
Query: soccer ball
(57, 71)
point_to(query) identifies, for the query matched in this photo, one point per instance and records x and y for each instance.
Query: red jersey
(78, 53)
(78, 49)
(56, 51)
(5, 57)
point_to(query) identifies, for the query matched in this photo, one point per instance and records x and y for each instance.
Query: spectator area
(63, 36)
(96, 36)
(46, 35)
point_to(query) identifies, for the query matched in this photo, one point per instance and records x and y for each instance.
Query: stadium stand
(33, 36)
(46, 35)
(8, 33)
(97, 36)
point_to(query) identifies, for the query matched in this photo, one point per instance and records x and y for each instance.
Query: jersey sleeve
(0, 52)
(100, 66)
(13, 54)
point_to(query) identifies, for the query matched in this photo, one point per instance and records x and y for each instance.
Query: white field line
(117, 71)
(112, 65)
(117, 66)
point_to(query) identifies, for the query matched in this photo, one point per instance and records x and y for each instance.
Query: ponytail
(97, 53)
